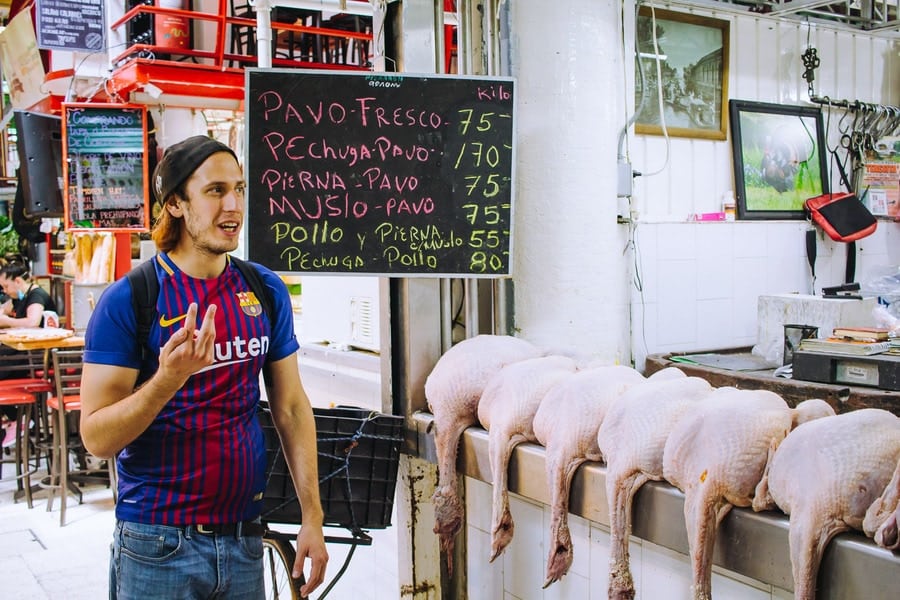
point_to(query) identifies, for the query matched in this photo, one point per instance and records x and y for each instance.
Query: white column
(568, 263)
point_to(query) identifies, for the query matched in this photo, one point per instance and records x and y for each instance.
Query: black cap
(180, 160)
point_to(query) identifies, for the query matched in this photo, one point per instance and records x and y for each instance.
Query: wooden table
(74, 341)
(841, 397)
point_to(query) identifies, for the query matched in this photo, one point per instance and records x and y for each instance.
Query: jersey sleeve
(284, 341)
(111, 335)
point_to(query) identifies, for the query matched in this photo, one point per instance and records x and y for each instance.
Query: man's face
(214, 210)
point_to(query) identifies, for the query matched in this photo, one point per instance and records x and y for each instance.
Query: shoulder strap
(257, 286)
(144, 291)
(259, 289)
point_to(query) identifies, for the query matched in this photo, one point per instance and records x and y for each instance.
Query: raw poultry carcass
(507, 408)
(883, 517)
(452, 390)
(632, 439)
(825, 475)
(717, 455)
(566, 424)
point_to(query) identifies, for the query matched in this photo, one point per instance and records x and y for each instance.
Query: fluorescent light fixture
(153, 90)
(177, 100)
(653, 56)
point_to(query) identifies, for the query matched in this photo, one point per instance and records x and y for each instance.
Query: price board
(380, 173)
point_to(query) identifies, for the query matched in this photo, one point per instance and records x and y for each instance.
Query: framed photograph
(778, 158)
(691, 53)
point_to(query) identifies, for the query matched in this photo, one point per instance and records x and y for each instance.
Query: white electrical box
(341, 312)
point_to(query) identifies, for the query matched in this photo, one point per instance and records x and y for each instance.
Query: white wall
(518, 573)
(700, 281)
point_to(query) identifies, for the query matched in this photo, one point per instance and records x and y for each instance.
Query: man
(190, 450)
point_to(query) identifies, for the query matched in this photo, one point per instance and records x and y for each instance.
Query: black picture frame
(779, 158)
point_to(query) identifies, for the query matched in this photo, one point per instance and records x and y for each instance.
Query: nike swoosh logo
(164, 322)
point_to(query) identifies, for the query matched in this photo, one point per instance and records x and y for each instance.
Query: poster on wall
(21, 62)
(881, 182)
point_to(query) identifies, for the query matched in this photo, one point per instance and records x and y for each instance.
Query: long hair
(167, 229)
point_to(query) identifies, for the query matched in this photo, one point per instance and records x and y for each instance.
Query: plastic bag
(884, 283)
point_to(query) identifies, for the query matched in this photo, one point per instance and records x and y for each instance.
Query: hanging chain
(810, 63)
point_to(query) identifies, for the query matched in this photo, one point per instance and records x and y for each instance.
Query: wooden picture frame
(693, 65)
(779, 158)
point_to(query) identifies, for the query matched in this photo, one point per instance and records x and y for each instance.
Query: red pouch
(842, 216)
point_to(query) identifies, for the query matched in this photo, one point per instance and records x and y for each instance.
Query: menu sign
(380, 173)
(71, 25)
(105, 167)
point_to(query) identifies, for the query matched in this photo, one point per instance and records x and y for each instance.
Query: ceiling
(872, 16)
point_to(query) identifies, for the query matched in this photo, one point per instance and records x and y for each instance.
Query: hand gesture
(189, 349)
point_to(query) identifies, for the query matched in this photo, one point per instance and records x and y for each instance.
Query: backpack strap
(144, 292)
(257, 286)
(259, 289)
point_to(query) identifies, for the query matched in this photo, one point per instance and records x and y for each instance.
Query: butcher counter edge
(751, 544)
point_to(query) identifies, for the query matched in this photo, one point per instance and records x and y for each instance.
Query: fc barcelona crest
(249, 304)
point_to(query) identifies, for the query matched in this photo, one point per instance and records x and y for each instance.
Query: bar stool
(65, 405)
(25, 372)
(24, 404)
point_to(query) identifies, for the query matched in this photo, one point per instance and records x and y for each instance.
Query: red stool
(24, 403)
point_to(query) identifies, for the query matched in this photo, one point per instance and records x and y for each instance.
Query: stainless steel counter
(751, 544)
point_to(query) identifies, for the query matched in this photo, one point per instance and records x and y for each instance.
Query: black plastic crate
(359, 453)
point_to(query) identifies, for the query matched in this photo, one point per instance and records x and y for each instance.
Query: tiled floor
(42, 560)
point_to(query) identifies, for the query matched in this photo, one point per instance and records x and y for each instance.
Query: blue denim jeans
(177, 563)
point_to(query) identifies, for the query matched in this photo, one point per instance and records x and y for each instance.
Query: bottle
(728, 205)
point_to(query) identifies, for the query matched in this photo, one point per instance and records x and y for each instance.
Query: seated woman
(25, 308)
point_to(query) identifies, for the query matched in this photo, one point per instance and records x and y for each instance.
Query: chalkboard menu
(68, 25)
(379, 173)
(105, 167)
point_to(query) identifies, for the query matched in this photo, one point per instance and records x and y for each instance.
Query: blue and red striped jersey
(202, 460)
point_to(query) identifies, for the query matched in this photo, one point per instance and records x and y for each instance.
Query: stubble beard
(208, 245)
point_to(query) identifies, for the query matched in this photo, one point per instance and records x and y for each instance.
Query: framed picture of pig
(779, 158)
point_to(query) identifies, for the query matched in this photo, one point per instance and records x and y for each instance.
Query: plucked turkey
(825, 475)
(632, 439)
(566, 424)
(506, 409)
(716, 455)
(452, 390)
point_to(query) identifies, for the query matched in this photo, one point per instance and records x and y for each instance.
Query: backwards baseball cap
(180, 160)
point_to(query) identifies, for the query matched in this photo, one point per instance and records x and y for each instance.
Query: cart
(358, 458)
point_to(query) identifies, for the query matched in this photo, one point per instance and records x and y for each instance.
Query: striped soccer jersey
(202, 460)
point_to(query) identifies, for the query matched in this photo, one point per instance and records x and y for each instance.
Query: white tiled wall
(700, 282)
(518, 574)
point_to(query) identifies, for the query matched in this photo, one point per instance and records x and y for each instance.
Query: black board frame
(106, 117)
(488, 227)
